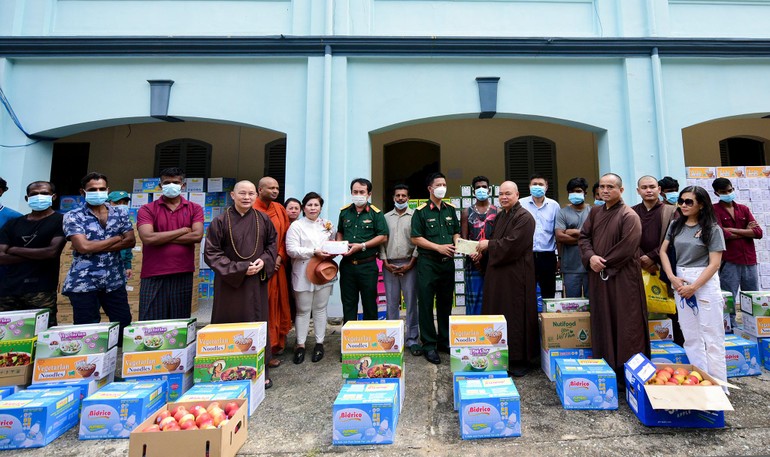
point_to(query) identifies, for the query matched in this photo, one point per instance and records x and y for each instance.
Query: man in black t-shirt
(30, 246)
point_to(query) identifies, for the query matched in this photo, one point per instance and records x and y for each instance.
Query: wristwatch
(363, 247)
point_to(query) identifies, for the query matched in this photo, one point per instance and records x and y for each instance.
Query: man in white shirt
(544, 210)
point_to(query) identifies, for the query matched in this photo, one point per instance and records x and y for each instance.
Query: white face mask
(359, 200)
(439, 192)
(401, 206)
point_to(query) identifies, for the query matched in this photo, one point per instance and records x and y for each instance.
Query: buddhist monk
(609, 243)
(509, 281)
(278, 286)
(241, 249)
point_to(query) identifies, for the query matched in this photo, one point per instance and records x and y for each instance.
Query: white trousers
(316, 301)
(702, 326)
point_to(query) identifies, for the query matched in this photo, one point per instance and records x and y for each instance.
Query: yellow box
(90, 366)
(238, 338)
(661, 329)
(373, 336)
(731, 172)
(701, 172)
(478, 331)
(158, 362)
(757, 172)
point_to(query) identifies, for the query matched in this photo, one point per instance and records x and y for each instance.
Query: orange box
(90, 366)
(158, 362)
(478, 331)
(701, 172)
(731, 172)
(757, 172)
(226, 339)
(373, 336)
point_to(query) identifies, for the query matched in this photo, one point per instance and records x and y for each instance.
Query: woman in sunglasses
(699, 243)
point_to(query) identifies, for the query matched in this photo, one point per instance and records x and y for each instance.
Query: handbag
(656, 291)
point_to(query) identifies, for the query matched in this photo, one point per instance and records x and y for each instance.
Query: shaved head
(248, 185)
(645, 177)
(268, 189)
(508, 195)
(267, 181)
(617, 178)
(509, 184)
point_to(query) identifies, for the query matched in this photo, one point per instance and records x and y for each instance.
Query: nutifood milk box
(667, 352)
(158, 362)
(117, 409)
(565, 330)
(92, 366)
(741, 357)
(22, 325)
(34, 418)
(157, 335)
(489, 408)
(226, 339)
(372, 336)
(69, 340)
(586, 384)
(476, 331)
(365, 414)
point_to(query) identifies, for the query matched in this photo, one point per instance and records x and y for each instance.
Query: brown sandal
(274, 363)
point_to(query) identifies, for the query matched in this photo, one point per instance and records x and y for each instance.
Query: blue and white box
(118, 408)
(365, 414)
(34, 418)
(399, 381)
(465, 375)
(586, 384)
(763, 348)
(548, 358)
(177, 383)
(220, 391)
(7, 391)
(85, 386)
(741, 357)
(667, 352)
(489, 408)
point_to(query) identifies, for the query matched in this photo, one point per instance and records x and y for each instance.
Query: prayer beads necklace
(232, 241)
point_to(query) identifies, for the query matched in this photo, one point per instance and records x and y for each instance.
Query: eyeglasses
(687, 202)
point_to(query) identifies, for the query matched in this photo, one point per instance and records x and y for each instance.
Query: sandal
(274, 363)
(268, 384)
(318, 352)
(299, 355)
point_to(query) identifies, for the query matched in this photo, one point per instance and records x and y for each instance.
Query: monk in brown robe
(277, 286)
(609, 244)
(509, 278)
(240, 248)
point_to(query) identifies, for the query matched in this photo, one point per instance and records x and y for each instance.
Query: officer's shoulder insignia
(421, 206)
(449, 204)
(376, 210)
(345, 207)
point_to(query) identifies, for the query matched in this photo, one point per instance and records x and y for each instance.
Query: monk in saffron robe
(609, 244)
(509, 278)
(277, 286)
(240, 248)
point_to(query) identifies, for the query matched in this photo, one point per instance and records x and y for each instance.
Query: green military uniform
(358, 272)
(435, 272)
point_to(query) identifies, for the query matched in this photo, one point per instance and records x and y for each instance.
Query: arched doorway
(409, 162)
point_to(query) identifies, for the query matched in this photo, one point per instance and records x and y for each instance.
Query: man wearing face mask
(544, 210)
(363, 226)
(435, 229)
(169, 229)
(669, 190)
(569, 221)
(122, 198)
(30, 246)
(476, 223)
(739, 260)
(597, 197)
(98, 233)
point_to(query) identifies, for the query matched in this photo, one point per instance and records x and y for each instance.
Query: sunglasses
(685, 202)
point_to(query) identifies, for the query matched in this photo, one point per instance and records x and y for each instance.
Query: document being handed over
(467, 247)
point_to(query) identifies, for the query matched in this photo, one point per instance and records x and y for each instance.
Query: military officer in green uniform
(363, 226)
(435, 228)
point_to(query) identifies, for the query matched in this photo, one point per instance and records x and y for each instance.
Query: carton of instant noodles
(224, 368)
(372, 337)
(158, 362)
(89, 366)
(159, 335)
(232, 339)
(17, 353)
(70, 340)
(22, 325)
(475, 331)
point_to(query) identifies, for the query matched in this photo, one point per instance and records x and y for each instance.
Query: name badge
(431, 220)
(367, 221)
(449, 218)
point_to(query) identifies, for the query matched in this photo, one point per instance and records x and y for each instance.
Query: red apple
(204, 417)
(669, 369)
(180, 413)
(672, 383)
(152, 428)
(218, 416)
(166, 421)
(706, 382)
(186, 418)
(171, 426)
(207, 425)
(688, 382)
(162, 415)
(197, 410)
(694, 380)
(214, 404)
(223, 423)
(232, 406)
(188, 425)
(175, 409)
(682, 371)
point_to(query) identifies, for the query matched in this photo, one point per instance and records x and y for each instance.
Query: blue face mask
(577, 198)
(598, 202)
(400, 206)
(537, 191)
(40, 202)
(96, 198)
(171, 190)
(672, 197)
(482, 194)
(727, 198)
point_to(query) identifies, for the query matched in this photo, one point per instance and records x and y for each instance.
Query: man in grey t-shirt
(569, 221)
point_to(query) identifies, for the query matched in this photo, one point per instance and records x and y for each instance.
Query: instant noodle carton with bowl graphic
(475, 331)
(661, 329)
(586, 384)
(247, 367)
(758, 326)
(565, 330)
(372, 337)
(548, 358)
(117, 409)
(226, 339)
(701, 172)
(374, 365)
(566, 305)
(92, 366)
(160, 334)
(365, 414)
(756, 303)
(35, 417)
(478, 359)
(159, 362)
(69, 340)
(489, 408)
(741, 357)
(22, 325)
(177, 383)
(465, 375)
(667, 352)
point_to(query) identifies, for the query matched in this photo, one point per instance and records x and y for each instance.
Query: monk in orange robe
(279, 324)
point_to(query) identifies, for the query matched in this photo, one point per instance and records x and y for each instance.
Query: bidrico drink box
(489, 408)
(764, 351)
(401, 382)
(756, 303)
(158, 362)
(8, 391)
(476, 331)
(464, 376)
(93, 366)
(34, 418)
(22, 325)
(178, 383)
(758, 326)
(69, 340)
(566, 305)
(235, 339)
(548, 358)
(742, 357)
(85, 386)
(667, 352)
(586, 384)
(673, 406)
(478, 359)
(565, 330)
(661, 329)
(116, 410)
(220, 391)
(365, 414)
(380, 336)
(157, 335)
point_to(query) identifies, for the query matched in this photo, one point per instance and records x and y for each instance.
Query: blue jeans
(85, 307)
(733, 276)
(575, 285)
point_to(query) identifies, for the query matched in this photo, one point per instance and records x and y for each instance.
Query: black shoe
(318, 352)
(268, 384)
(299, 355)
(432, 356)
(442, 348)
(519, 370)
(416, 350)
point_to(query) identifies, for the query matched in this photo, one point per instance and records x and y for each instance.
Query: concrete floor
(295, 419)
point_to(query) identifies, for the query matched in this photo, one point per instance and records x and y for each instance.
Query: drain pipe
(660, 124)
(326, 128)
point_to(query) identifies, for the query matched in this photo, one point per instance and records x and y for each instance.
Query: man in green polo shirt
(435, 228)
(363, 226)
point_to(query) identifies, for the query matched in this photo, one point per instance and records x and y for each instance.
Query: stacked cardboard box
(565, 333)
(365, 414)
(755, 313)
(586, 384)
(35, 417)
(18, 338)
(667, 352)
(661, 329)
(489, 408)
(76, 352)
(478, 343)
(117, 409)
(742, 357)
(728, 311)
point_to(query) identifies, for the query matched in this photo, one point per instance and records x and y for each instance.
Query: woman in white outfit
(303, 241)
(698, 242)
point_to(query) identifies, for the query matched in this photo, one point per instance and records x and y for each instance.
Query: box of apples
(213, 429)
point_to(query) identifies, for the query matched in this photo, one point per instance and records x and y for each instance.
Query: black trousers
(545, 273)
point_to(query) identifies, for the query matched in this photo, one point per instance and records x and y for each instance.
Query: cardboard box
(85, 386)
(178, 383)
(586, 384)
(70, 202)
(220, 184)
(475, 331)
(365, 414)
(661, 329)
(758, 326)
(565, 330)
(548, 358)
(256, 391)
(195, 184)
(17, 353)
(218, 442)
(667, 352)
(8, 391)
(157, 335)
(373, 365)
(756, 303)
(731, 172)
(93, 366)
(729, 306)
(69, 340)
(764, 351)
(219, 391)
(673, 406)
(116, 410)
(16, 376)
(478, 359)
(566, 305)
(197, 198)
(22, 325)
(741, 357)
(372, 337)
(34, 418)
(138, 200)
(158, 362)
(226, 339)
(465, 375)
(701, 172)
(489, 408)
(228, 367)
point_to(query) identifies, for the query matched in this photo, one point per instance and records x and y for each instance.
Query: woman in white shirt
(303, 241)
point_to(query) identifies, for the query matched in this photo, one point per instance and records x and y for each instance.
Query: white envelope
(466, 246)
(335, 247)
